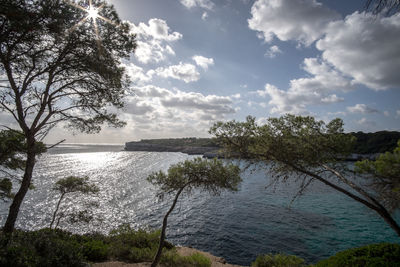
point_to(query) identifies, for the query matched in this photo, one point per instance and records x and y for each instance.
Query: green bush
(374, 255)
(95, 250)
(49, 247)
(131, 245)
(42, 248)
(278, 260)
(172, 259)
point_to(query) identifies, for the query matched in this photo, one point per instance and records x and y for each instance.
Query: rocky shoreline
(209, 152)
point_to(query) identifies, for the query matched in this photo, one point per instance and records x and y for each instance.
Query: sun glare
(93, 13)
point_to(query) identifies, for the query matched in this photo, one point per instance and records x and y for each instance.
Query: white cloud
(153, 39)
(183, 71)
(156, 29)
(204, 16)
(236, 96)
(366, 123)
(362, 108)
(300, 20)
(366, 48)
(159, 112)
(206, 4)
(303, 92)
(273, 51)
(210, 104)
(332, 99)
(137, 74)
(203, 62)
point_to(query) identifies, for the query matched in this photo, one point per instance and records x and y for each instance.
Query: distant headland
(192, 146)
(367, 145)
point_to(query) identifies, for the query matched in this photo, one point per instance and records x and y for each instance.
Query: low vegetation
(278, 260)
(384, 254)
(55, 247)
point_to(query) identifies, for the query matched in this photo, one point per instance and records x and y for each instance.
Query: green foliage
(208, 175)
(73, 184)
(375, 255)
(379, 142)
(385, 173)
(12, 149)
(132, 245)
(12, 146)
(278, 260)
(5, 188)
(172, 259)
(42, 248)
(49, 247)
(95, 250)
(302, 150)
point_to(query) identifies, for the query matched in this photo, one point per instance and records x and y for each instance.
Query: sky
(201, 61)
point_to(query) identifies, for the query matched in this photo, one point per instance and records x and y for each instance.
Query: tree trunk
(375, 205)
(20, 195)
(55, 212)
(163, 230)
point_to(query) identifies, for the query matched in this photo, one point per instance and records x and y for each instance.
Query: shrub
(42, 248)
(172, 259)
(131, 245)
(278, 260)
(383, 254)
(95, 250)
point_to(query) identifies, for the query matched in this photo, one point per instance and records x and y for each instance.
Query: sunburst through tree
(93, 13)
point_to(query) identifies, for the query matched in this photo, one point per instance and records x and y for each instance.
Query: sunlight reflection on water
(236, 226)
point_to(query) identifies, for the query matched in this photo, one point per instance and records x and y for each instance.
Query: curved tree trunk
(163, 230)
(26, 182)
(55, 212)
(375, 205)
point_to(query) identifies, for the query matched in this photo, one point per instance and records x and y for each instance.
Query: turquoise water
(237, 226)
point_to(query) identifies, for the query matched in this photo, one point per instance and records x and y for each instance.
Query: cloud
(362, 108)
(160, 112)
(204, 16)
(332, 99)
(273, 51)
(137, 74)
(366, 48)
(183, 71)
(398, 113)
(366, 123)
(315, 90)
(156, 29)
(211, 104)
(153, 39)
(203, 61)
(300, 20)
(206, 4)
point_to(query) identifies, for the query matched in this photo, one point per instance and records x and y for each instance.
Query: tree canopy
(211, 176)
(303, 149)
(385, 173)
(58, 65)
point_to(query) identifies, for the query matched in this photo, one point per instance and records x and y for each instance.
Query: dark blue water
(237, 226)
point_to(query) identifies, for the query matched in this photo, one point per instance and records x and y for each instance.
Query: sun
(93, 13)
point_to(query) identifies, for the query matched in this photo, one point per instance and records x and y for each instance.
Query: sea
(237, 226)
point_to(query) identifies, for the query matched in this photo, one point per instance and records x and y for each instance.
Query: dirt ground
(184, 251)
